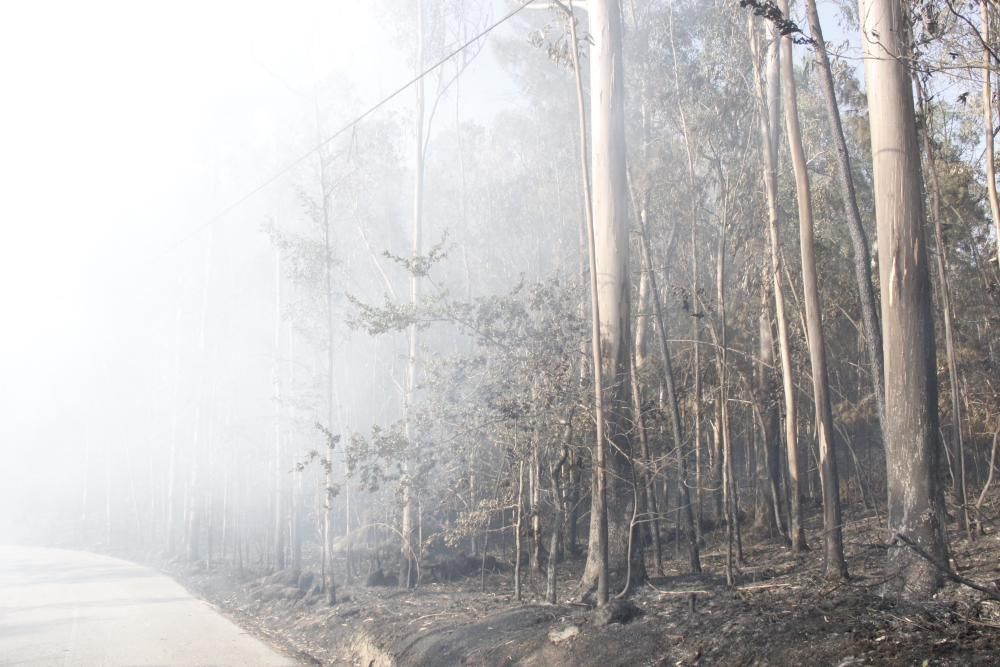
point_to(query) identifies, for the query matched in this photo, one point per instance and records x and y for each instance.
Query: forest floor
(782, 612)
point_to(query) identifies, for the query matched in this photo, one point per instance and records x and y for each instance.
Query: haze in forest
(616, 308)
(128, 128)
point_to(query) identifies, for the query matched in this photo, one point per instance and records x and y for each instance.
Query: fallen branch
(989, 479)
(683, 593)
(757, 587)
(981, 624)
(426, 616)
(991, 593)
(679, 592)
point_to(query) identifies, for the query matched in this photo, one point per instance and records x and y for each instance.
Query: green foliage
(482, 406)
(768, 9)
(377, 459)
(419, 266)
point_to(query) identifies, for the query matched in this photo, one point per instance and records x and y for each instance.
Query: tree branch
(991, 593)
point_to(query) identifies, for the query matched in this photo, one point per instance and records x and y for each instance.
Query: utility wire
(318, 147)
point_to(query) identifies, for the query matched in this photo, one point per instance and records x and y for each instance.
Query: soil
(781, 611)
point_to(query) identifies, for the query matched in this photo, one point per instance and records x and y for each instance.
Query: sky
(126, 128)
(122, 127)
(115, 112)
(121, 120)
(119, 128)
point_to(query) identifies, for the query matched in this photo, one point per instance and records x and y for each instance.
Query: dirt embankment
(781, 612)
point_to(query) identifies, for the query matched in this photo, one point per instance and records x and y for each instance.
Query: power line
(318, 147)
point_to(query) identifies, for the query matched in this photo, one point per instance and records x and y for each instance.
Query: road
(70, 608)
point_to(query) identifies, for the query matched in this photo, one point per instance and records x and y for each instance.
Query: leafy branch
(769, 11)
(420, 265)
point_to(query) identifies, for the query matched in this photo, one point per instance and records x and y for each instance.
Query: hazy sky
(122, 123)
(122, 129)
(122, 126)
(127, 125)
(114, 113)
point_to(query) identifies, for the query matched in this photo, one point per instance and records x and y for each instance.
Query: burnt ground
(782, 611)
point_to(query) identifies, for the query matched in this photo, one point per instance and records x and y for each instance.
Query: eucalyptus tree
(610, 526)
(767, 93)
(654, 149)
(944, 298)
(685, 512)
(196, 494)
(309, 256)
(435, 41)
(852, 212)
(989, 131)
(953, 46)
(612, 533)
(280, 462)
(768, 97)
(315, 250)
(408, 529)
(832, 532)
(911, 447)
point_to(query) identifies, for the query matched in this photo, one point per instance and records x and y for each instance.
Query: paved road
(70, 608)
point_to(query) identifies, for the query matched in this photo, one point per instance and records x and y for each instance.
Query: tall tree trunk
(991, 175)
(226, 524)
(647, 497)
(329, 582)
(696, 363)
(728, 482)
(912, 446)
(556, 475)
(958, 472)
(685, 517)
(836, 566)
(768, 94)
(770, 98)
(597, 553)
(171, 501)
(518, 530)
(856, 230)
(535, 478)
(767, 509)
(195, 491)
(646, 488)
(715, 457)
(694, 299)
(410, 546)
(279, 510)
(640, 202)
(571, 528)
(295, 526)
(610, 512)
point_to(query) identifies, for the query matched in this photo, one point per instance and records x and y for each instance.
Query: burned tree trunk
(912, 446)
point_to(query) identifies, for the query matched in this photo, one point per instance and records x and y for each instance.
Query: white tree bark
(611, 251)
(991, 174)
(769, 95)
(835, 565)
(410, 546)
(279, 509)
(915, 505)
